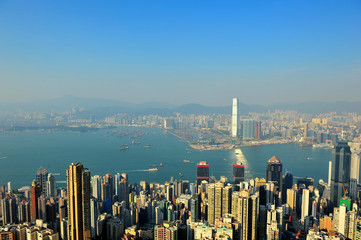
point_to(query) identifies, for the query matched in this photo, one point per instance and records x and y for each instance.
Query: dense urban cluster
(279, 206)
(213, 129)
(109, 207)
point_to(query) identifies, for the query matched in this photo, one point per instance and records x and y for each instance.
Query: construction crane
(344, 191)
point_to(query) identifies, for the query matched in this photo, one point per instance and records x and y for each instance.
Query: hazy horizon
(181, 52)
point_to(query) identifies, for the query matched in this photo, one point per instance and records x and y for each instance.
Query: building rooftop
(274, 159)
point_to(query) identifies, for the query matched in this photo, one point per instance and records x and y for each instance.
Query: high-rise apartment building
(8, 210)
(219, 201)
(24, 211)
(97, 187)
(340, 172)
(305, 208)
(355, 166)
(202, 172)
(245, 208)
(292, 199)
(78, 181)
(235, 118)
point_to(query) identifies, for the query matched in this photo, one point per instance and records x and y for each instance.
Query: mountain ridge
(108, 106)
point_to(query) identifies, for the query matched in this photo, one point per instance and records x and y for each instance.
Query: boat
(181, 174)
(153, 169)
(156, 165)
(124, 148)
(321, 145)
(148, 146)
(185, 160)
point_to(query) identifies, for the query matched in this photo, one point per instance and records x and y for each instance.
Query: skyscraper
(78, 180)
(329, 173)
(274, 171)
(35, 192)
(355, 166)
(50, 185)
(257, 130)
(288, 180)
(8, 210)
(245, 208)
(235, 118)
(248, 129)
(124, 191)
(96, 186)
(238, 172)
(202, 172)
(340, 173)
(41, 178)
(305, 208)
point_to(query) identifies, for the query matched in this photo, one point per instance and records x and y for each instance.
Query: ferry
(153, 169)
(322, 145)
(156, 165)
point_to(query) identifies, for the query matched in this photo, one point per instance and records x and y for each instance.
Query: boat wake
(142, 170)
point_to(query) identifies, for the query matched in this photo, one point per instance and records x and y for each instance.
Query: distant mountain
(103, 107)
(65, 103)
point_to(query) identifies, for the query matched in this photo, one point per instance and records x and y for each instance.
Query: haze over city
(264, 52)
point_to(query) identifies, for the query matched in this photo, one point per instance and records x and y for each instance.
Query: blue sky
(264, 52)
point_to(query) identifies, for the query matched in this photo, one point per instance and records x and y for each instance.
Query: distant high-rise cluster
(246, 129)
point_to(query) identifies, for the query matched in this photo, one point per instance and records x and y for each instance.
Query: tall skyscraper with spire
(78, 180)
(235, 118)
(340, 172)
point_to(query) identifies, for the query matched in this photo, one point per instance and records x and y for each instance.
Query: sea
(22, 153)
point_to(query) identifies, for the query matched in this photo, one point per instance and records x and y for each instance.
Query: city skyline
(181, 52)
(180, 120)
